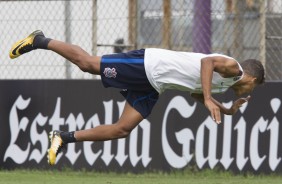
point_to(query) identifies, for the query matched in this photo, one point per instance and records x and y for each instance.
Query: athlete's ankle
(68, 137)
(41, 42)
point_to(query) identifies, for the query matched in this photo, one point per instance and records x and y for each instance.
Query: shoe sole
(51, 156)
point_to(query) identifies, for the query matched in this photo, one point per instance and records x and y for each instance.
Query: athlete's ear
(254, 79)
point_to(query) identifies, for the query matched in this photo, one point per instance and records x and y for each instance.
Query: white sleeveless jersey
(167, 69)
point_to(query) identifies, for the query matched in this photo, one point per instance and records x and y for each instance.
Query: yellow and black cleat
(56, 146)
(25, 45)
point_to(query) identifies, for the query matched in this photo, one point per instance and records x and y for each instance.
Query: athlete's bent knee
(88, 64)
(122, 132)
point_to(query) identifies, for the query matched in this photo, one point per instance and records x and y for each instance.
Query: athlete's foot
(25, 45)
(56, 146)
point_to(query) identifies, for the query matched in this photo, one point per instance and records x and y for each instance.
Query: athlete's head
(253, 76)
(255, 69)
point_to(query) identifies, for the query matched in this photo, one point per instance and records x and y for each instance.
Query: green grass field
(81, 177)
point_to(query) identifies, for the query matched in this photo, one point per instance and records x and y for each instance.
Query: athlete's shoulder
(221, 56)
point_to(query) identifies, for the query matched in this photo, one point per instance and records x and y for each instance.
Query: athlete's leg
(77, 56)
(129, 119)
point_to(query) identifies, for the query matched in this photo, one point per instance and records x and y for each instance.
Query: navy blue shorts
(126, 71)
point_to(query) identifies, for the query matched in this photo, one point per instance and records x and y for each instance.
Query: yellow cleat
(56, 145)
(25, 45)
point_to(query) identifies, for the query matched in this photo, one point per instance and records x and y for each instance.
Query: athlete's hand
(238, 103)
(214, 110)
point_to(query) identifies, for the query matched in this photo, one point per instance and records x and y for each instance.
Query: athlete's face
(245, 89)
(245, 86)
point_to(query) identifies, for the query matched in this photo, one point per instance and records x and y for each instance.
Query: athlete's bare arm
(226, 68)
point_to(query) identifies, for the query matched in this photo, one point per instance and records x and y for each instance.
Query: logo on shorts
(110, 72)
